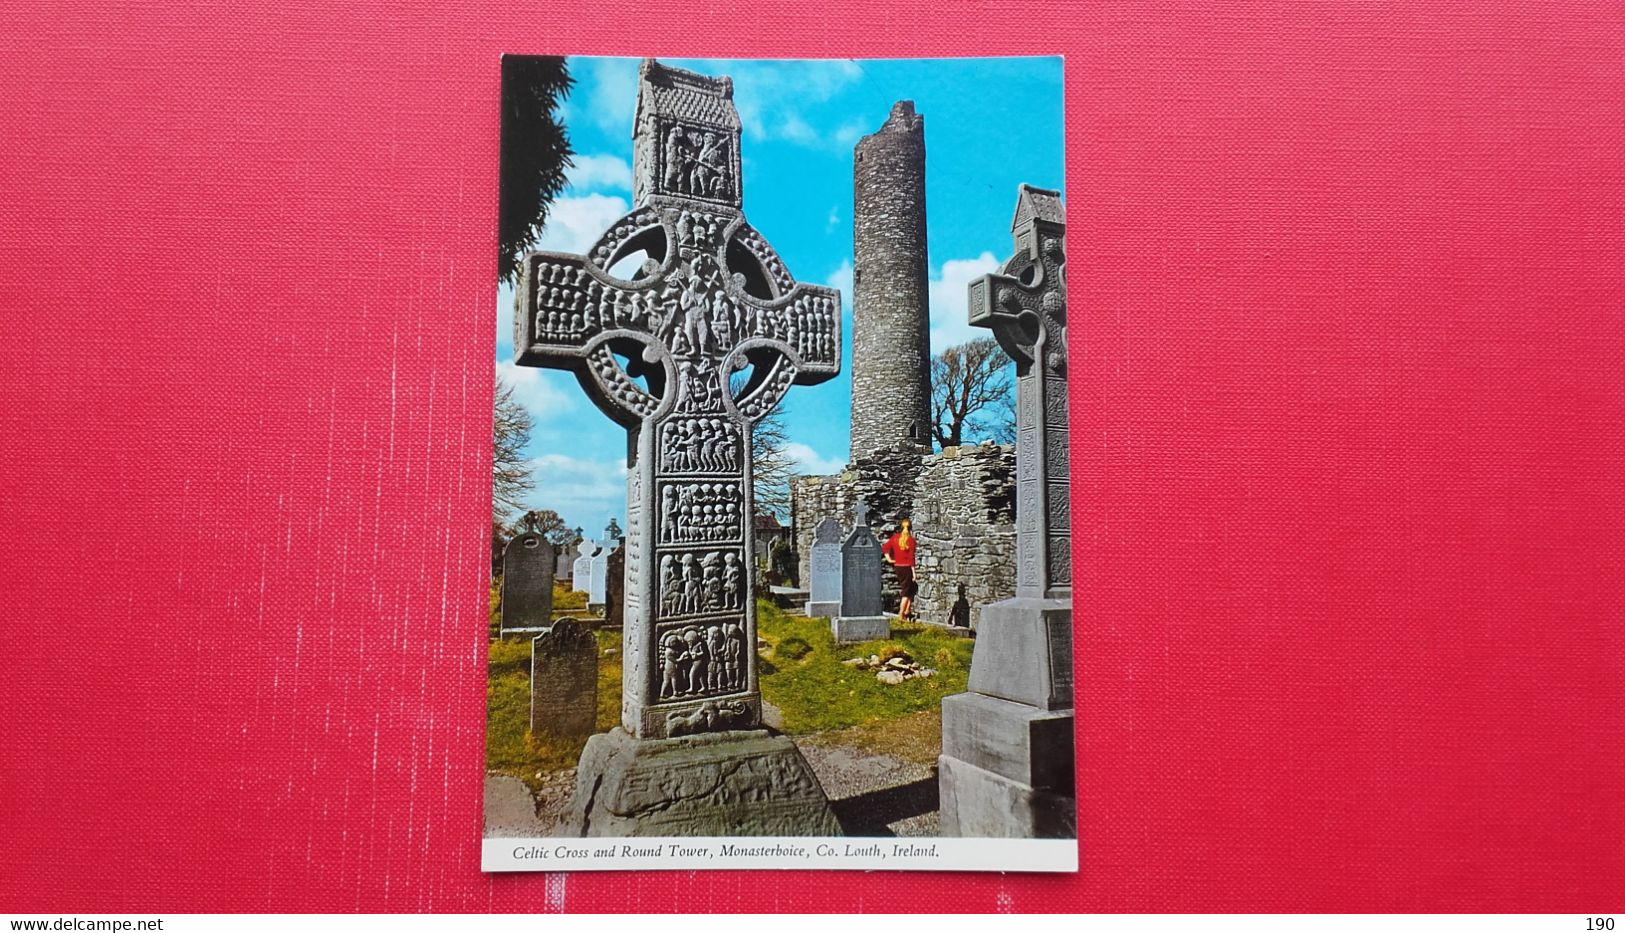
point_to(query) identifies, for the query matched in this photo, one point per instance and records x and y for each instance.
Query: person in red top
(899, 552)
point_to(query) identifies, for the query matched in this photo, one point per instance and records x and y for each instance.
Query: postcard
(781, 543)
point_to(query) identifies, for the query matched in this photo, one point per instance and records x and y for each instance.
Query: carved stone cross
(1025, 306)
(686, 351)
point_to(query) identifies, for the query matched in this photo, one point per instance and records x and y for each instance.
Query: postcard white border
(688, 853)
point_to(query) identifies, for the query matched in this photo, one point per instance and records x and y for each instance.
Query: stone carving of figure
(722, 324)
(709, 172)
(693, 584)
(698, 661)
(713, 582)
(714, 645)
(672, 658)
(732, 580)
(735, 650)
(670, 590)
(696, 316)
(676, 157)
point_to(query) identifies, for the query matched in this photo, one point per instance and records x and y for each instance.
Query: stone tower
(891, 327)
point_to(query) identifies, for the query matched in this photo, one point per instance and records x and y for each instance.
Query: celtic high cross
(685, 351)
(1024, 304)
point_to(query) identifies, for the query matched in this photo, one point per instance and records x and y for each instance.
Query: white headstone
(598, 572)
(581, 573)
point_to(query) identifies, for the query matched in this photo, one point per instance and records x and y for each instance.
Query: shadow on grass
(868, 814)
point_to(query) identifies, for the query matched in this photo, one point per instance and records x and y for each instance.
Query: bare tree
(511, 478)
(972, 394)
(772, 465)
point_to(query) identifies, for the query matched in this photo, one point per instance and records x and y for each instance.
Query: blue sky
(990, 124)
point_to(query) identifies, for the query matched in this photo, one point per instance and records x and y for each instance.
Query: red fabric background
(1350, 401)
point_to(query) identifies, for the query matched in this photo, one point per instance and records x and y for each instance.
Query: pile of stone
(894, 670)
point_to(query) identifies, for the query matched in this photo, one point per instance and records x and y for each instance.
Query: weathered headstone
(598, 577)
(564, 681)
(686, 353)
(862, 616)
(1007, 760)
(527, 582)
(824, 576)
(567, 563)
(581, 573)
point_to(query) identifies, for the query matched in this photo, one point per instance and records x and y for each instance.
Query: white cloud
(841, 280)
(773, 97)
(538, 389)
(810, 462)
(575, 223)
(586, 493)
(614, 96)
(948, 301)
(504, 319)
(593, 172)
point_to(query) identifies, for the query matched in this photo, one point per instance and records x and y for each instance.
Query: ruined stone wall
(962, 502)
(964, 517)
(812, 499)
(891, 339)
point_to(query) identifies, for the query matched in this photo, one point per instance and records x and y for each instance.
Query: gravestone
(824, 576)
(567, 563)
(1007, 760)
(527, 582)
(598, 578)
(581, 573)
(862, 616)
(615, 589)
(564, 681)
(692, 347)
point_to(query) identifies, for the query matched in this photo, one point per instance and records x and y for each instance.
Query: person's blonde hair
(905, 532)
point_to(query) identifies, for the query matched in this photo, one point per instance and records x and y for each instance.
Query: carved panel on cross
(701, 582)
(705, 659)
(700, 512)
(699, 445)
(697, 161)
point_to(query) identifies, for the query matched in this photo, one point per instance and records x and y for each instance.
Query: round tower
(891, 325)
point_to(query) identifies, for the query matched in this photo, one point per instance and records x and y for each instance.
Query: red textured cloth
(1348, 379)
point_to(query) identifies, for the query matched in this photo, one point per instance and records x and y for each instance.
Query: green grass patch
(566, 599)
(800, 672)
(509, 746)
(816, 692)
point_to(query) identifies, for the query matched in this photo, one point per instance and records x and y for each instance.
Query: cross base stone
(741, 783)
(983, 804)
(1024, 652)
(852, 630)
(1006, 768)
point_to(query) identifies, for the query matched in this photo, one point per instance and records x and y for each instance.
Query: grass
(801, 673)
(509, 746)
(817, 692)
